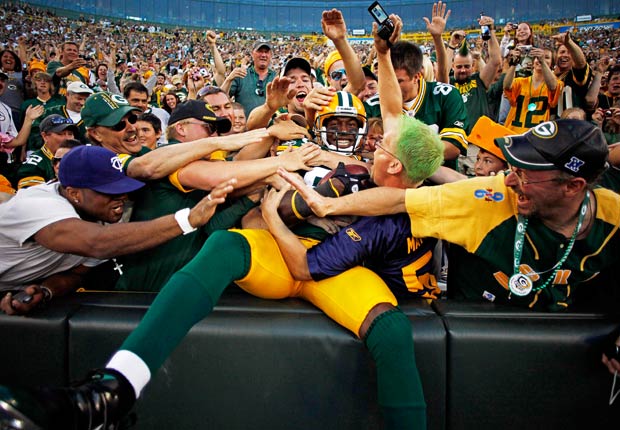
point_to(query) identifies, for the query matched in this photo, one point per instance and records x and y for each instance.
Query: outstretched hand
(437, 25)
(333, 25)
(205, 208)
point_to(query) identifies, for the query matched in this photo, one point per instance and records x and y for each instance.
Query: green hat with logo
(105, 109)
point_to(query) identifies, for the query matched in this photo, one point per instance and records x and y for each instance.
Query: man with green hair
(356, 297)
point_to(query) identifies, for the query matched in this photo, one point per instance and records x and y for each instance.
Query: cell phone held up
(386, 26)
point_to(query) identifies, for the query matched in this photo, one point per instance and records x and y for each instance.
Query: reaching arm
(89, 239)
(205, 174)
(335, 29)
(167, 159)
(436, 27)
(487, 73)
(220, 69)
(278, 95)
(391, 107)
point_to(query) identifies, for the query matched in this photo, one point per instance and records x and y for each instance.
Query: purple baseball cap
(95, 168)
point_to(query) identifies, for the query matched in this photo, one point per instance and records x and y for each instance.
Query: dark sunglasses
(260, 91)
(122, 124)
(337, 75)
(56, 160)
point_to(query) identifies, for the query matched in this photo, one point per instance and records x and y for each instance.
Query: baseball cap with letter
(77, 87)
(95, 168)
(570, 145)
(105, 109)
(201, 111)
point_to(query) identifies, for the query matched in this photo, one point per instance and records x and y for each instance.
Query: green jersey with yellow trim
(150, 269)
(37, 169)
(480, 215)
(441, 105)
(372, 106)
(474, 95)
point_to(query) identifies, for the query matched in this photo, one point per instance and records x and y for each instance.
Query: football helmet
(348, 141)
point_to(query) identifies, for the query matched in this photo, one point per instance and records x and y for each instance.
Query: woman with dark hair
(13, 96)
(524, 36)
(170, 101)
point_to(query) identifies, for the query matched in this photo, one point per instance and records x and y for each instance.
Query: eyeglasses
(122, 124)
(56, 160)
(519, 174)
(260, 90)
(379, 144)
(209, 127)
(337, 75)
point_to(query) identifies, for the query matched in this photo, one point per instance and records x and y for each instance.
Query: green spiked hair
(419, 148)
(464, 49)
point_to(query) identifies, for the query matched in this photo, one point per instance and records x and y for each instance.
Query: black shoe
(93, 403)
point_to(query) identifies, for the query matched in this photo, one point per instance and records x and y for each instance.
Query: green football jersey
(480, 216)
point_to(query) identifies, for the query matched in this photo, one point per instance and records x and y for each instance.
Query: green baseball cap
(105, 109)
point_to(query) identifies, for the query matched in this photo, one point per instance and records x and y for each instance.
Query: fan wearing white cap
(77, 93)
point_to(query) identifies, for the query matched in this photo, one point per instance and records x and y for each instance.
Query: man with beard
(473, 86)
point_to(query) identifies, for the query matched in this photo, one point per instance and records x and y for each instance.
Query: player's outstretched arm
(371, 202)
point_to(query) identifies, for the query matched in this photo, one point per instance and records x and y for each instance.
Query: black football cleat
(95, 403)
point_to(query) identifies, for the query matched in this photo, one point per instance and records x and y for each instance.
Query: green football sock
(399, 387)
(188, 297)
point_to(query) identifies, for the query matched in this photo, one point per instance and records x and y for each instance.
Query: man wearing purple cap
(51, 234)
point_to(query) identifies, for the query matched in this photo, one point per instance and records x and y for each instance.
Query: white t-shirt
(24, 261)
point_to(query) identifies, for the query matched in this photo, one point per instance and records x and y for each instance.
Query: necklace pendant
(520, 285)
(531, 107)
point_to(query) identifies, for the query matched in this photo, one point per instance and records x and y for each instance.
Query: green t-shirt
(244, 90)
(474, 95)
(150, 269)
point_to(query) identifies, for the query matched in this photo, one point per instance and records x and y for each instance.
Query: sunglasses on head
(60, 121)
(208, 90)
(122, 124)
(337, 75)
(260, 91)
